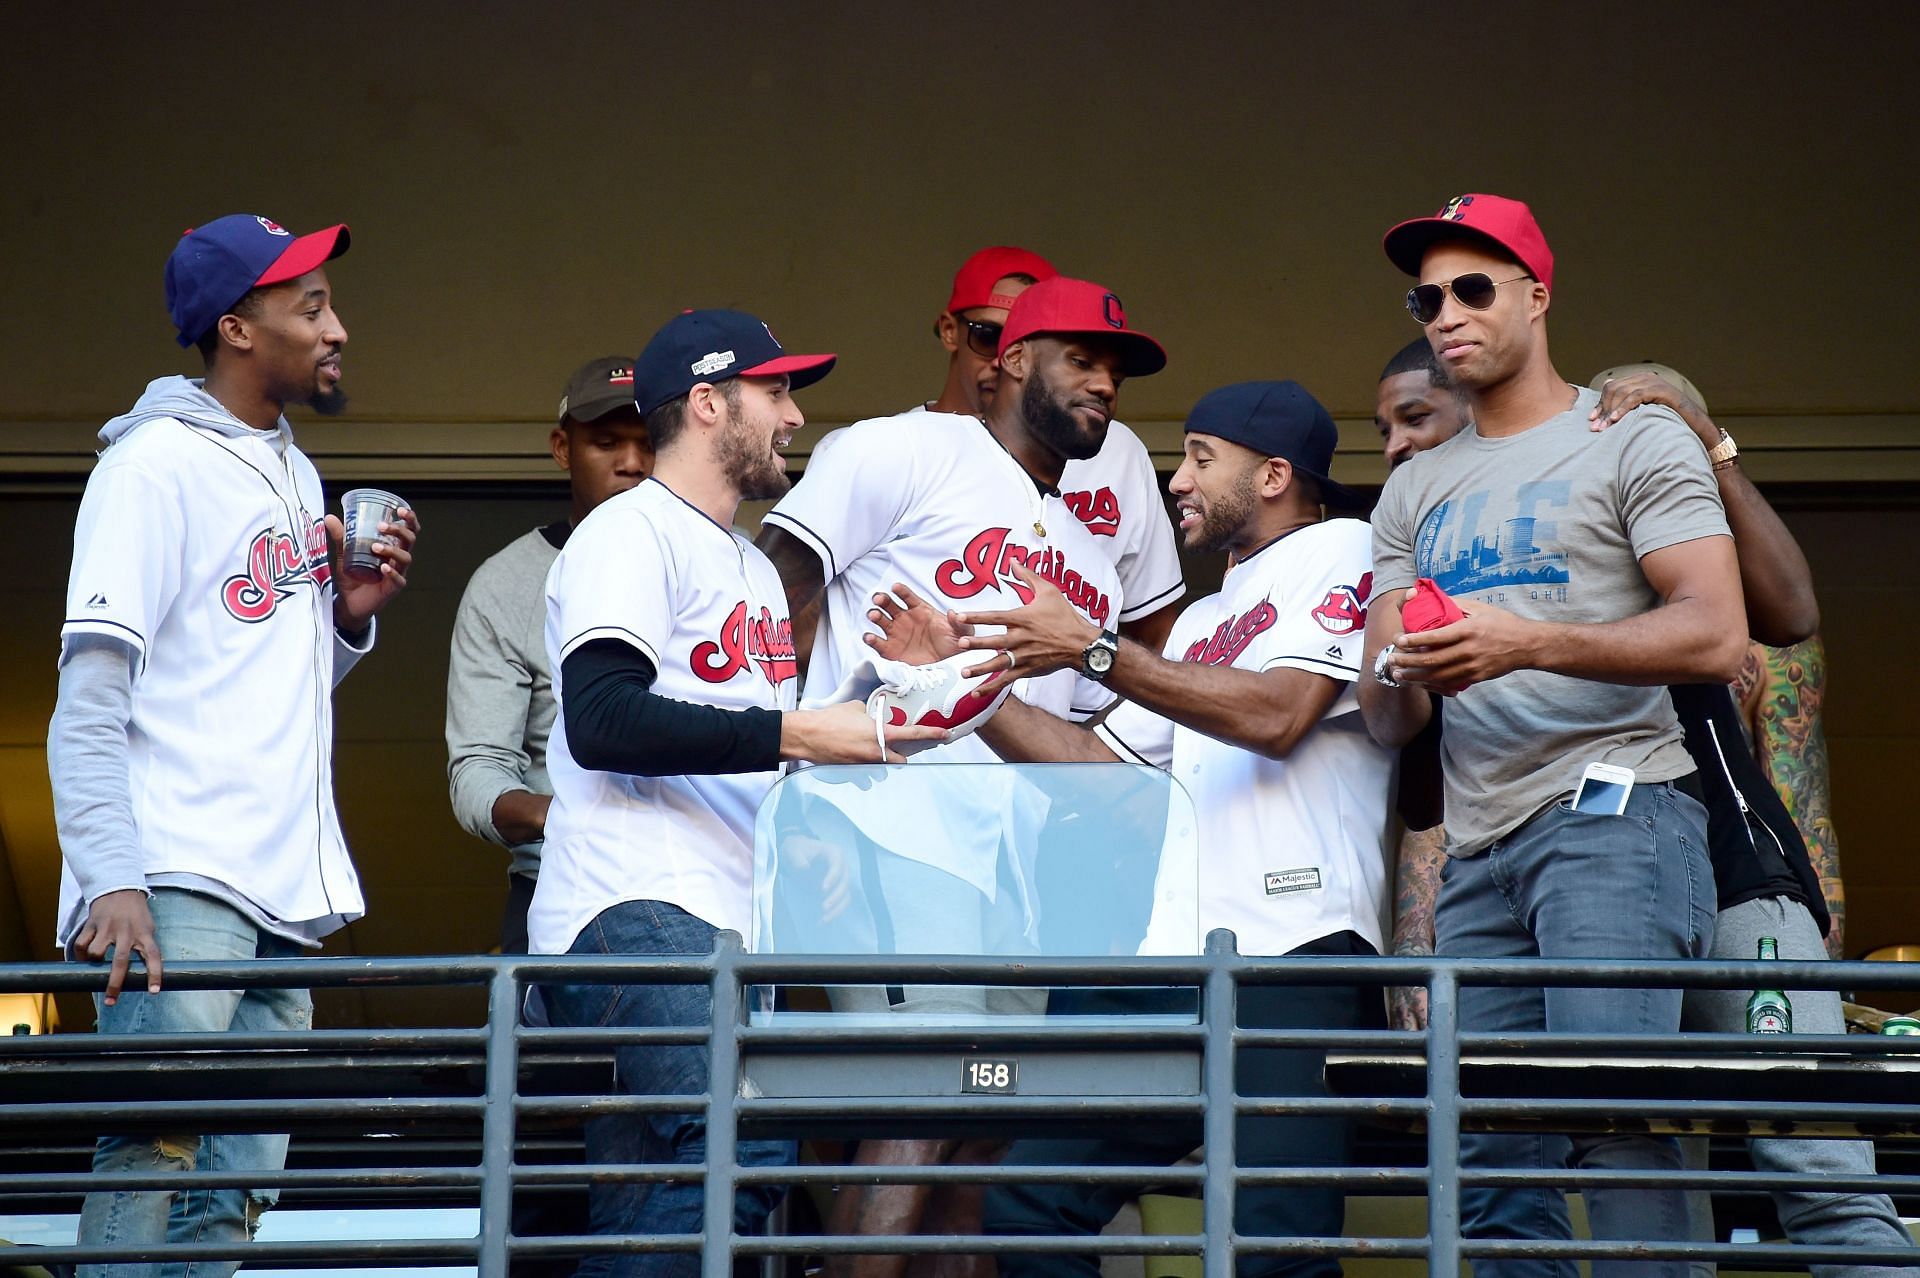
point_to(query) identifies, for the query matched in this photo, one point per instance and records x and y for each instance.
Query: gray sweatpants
(1827, 1220)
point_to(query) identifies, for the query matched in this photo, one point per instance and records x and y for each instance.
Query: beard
(1225, 517)
(749, 463)
(329, 403)
(1054, 424)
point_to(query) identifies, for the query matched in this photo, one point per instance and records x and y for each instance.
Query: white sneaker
(934, 696)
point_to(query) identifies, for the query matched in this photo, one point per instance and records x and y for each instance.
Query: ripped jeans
(190, 928)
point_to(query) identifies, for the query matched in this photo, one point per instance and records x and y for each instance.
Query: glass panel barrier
(1075, 860)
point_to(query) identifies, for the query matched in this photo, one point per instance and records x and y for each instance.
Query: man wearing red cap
(1590, 569)
(950, 508)
(191, 749)
(1115, 492)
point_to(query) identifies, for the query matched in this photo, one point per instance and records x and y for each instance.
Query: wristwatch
(1383, 667)
(1097, 658)
(1721, 455)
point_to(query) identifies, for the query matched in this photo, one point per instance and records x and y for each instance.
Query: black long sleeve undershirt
(615, 722)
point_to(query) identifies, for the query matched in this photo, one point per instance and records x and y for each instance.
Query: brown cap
(597, 388)
(1678, 379)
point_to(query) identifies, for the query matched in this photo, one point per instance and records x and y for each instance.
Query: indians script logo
(1099, 511)
(1231, 637)
(1344, 610)
(987, 564)
(276, 566)
(746, 640)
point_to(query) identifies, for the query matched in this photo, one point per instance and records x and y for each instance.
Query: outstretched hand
(1045, 635)
(913, 630)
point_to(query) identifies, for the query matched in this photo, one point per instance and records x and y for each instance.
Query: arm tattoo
(1416, 888)
(1792, 746)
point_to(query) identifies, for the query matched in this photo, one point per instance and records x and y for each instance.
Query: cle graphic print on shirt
(1491, 545)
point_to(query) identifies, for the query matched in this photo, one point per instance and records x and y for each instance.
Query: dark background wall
(1728, 190)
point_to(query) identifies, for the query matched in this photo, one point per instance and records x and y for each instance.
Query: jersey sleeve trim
(1314, 665)
(814, 540)
(620, 633)
(1134, 611)
(1126, 752)
(106, 629)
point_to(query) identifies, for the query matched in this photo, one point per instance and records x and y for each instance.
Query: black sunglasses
(983, 337)
(1474, 289)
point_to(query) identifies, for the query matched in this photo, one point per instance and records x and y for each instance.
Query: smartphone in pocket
(1604, 789)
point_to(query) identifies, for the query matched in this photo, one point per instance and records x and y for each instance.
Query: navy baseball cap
(1276, 419)
(214, 266)
(711, 346)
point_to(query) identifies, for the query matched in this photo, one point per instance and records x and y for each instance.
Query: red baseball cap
(1506, 224)
(973, 285)
(1068, 306)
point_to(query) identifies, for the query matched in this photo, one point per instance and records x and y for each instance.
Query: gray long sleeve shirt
(500, 703)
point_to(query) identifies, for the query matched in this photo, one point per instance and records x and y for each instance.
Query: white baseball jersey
(1290, 849)
(1117, 495)
(707, 609)
(937, 503)
(200, 542)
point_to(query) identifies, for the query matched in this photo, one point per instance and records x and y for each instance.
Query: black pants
(1302, 1141)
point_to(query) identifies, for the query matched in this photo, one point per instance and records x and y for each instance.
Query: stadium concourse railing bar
(504, 1083)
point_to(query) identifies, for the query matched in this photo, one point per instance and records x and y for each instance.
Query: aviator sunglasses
(1474, 289)
(983, 337)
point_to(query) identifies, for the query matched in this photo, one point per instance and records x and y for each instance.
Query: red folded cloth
(1429, 608)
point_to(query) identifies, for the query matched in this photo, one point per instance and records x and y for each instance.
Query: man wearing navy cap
(675, 673)
(191, 748)
(1592, 568)
(1251, 707)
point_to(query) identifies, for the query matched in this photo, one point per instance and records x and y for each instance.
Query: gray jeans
(1825, 1220)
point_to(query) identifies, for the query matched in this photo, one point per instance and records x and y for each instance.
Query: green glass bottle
(1768, 1011)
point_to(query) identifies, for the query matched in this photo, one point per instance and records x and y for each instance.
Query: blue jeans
(1307, 1140)
(191, 928)
(1580, 885)
(655, 927)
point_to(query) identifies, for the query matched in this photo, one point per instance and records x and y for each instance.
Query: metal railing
(494, 1088)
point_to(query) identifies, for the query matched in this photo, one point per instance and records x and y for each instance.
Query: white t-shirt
(937, 503)
(205, 550)
(707, 609)
(1290, 849)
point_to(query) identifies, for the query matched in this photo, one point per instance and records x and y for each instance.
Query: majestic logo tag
(1280, 882)
(276, 566)
(712, 362)
(1231, 637)
(1098, 510)
(748, 640)
(987, 563)
(1344, 610)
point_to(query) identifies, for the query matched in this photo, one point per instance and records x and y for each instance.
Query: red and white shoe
(932, 696)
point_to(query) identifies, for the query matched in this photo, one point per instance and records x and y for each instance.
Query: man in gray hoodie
(191, 745)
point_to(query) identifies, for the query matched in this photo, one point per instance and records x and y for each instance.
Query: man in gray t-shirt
(1593, 569)
(500, 703)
